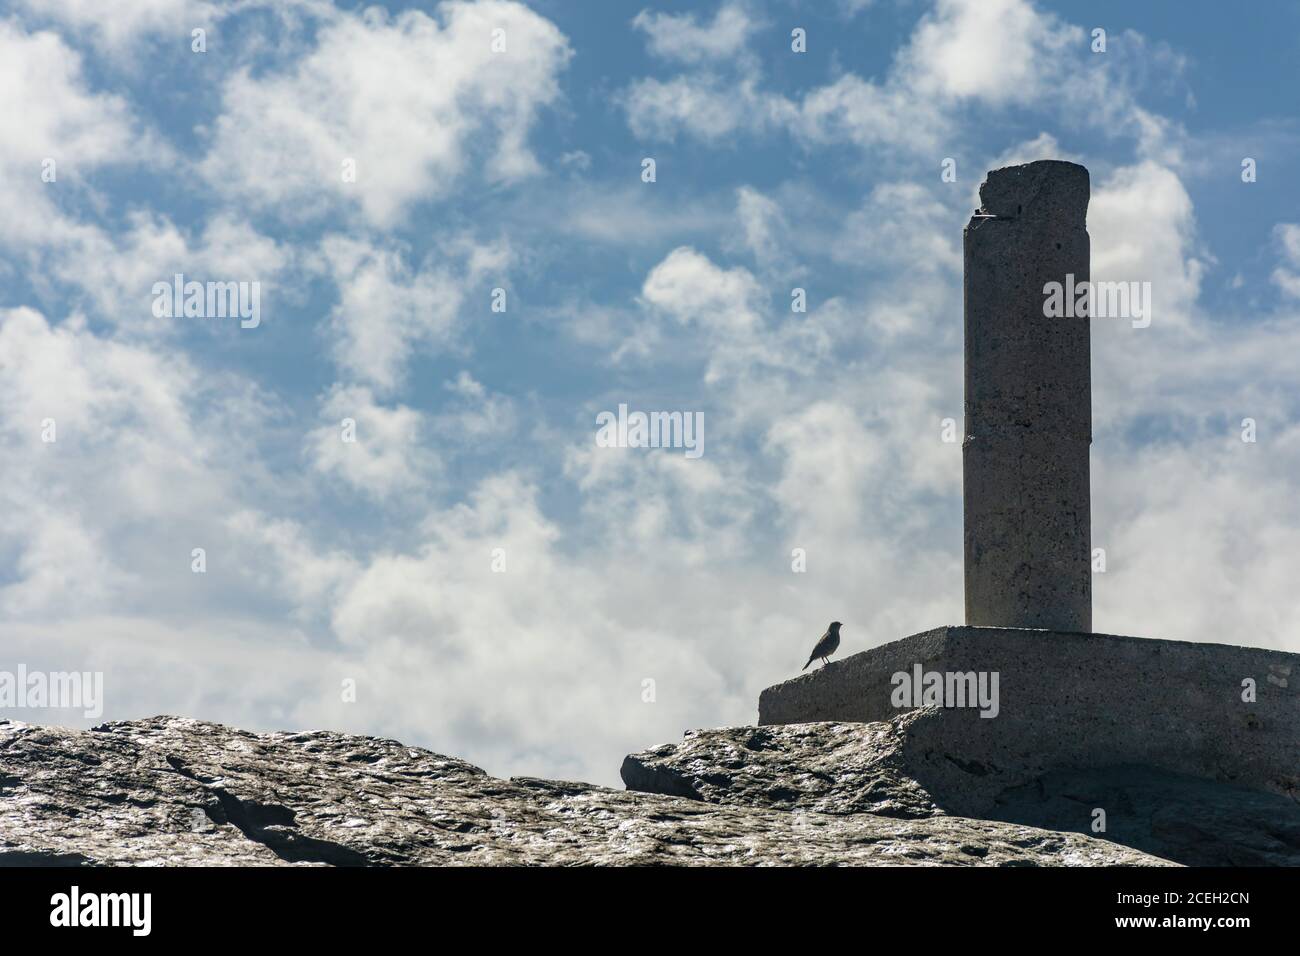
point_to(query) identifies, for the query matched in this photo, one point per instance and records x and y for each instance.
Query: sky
(446, 213)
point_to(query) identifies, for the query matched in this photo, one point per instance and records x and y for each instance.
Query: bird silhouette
(826, 645)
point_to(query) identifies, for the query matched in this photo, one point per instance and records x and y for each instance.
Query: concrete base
(1071, 701)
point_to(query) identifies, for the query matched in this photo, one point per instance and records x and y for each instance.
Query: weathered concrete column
(1028, 404)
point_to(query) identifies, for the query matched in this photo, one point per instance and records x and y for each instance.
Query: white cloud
(1196, 532)
(828, 457)
(477, 414)
(491, 657)
(672, 511)
(116, 272)
(387, 455)
(994, 50)
(134, 479)
(46, 109)
(415, 102)
(704, 105)
(1287, 275)
(280, 557)
(682, 37)
(387, 310)
(48, 112)
(1142, 227)
(722, 308)
(901, 225)
(868, 115)
(965, 55)
(127, 21)
(691, 288)
(714, 106)
(760, 221)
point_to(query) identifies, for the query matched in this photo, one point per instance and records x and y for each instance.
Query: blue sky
(372, 561)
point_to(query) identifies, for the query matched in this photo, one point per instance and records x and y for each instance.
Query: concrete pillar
(1028, 404)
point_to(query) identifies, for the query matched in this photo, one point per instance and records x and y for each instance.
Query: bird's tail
(810, 660)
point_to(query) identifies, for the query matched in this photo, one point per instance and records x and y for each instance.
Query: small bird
(826, 644)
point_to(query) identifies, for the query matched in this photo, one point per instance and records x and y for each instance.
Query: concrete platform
(1069, 701)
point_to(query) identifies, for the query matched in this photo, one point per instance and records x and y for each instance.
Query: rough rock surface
(825, 767)
(877, 768)
(174, 791)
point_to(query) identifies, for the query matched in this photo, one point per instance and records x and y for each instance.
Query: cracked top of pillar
(1046, 189)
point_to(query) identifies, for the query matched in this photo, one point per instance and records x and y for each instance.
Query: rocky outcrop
(839, 768)
(172, 791)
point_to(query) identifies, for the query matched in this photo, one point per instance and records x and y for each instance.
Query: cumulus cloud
(49, 114)
(682, 37)
(55, 133)
(116, 501)
(722, 307)
(48, 110)
(280, 556)
(115, 272)
(962, 55)
(691, 288)
(1195, 529)
(475, 413)
(387, 309)
(479, 636)
(995, 50)
(375, 449)
(127, 22)
(412, 102)
(828, 454)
